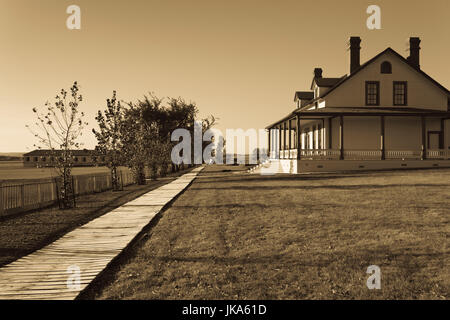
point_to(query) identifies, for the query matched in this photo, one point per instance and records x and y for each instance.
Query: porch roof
(360, 111)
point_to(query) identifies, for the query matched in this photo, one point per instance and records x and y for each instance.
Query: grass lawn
(24, 233)
(233, 235)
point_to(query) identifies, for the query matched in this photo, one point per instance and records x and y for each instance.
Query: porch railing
(438, 154)
(362, 154)
(403, 154)
(335, 154)
(320, 154)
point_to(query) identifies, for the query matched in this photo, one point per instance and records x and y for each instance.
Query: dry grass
(240, 236)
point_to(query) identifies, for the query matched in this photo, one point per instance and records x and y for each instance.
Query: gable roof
(346, 77)
(389, 49)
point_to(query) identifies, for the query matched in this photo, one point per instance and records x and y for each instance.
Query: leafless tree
(58, 129)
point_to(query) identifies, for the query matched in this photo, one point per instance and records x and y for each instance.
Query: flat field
(13, 171)
(233, 235)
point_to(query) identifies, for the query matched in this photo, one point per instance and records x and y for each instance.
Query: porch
(362, 134)
(337, 154)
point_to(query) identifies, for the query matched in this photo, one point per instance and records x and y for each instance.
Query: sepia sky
(240, 60)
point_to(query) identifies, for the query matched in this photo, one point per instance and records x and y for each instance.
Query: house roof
(327, 82)
(394, 111)
(361, 111)
(289, 116)
(348, 110)
(304, 95)
(363, 66)
(48, 152)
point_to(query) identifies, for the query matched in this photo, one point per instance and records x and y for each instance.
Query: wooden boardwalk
(52, 272)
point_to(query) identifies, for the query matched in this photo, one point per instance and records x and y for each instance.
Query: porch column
(284, 140)
(382, 132)
(279, 141)
(424, 146)
(290, 137)
(298, 134)
(269, 137)
(273, 143)
(442, 135)
(341, 137)
(330, 141)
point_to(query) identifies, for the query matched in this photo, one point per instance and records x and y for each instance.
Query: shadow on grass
(322, 260)
(273, 178)
(337, 187)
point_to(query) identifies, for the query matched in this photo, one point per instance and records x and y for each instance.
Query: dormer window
(386, 67)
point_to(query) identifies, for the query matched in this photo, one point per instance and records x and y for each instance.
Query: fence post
(2, 203)
(57, 193)
(39, 195)
(73, 192)
(22, 196)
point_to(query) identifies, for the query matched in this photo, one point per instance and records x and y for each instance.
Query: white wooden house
(386, 113)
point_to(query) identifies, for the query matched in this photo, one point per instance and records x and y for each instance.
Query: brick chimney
(414, 52)
(355, 49)
(318, 73)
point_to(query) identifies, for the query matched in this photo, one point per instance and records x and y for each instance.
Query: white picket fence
(15, 198)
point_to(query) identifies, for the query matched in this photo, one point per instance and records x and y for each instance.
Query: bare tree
(58, 129)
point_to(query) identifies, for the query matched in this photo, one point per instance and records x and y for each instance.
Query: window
(35, 159)
(76, 159)
(27, 159)
(400, 93)
(386, 67)
(84, 159)
(372, 93)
